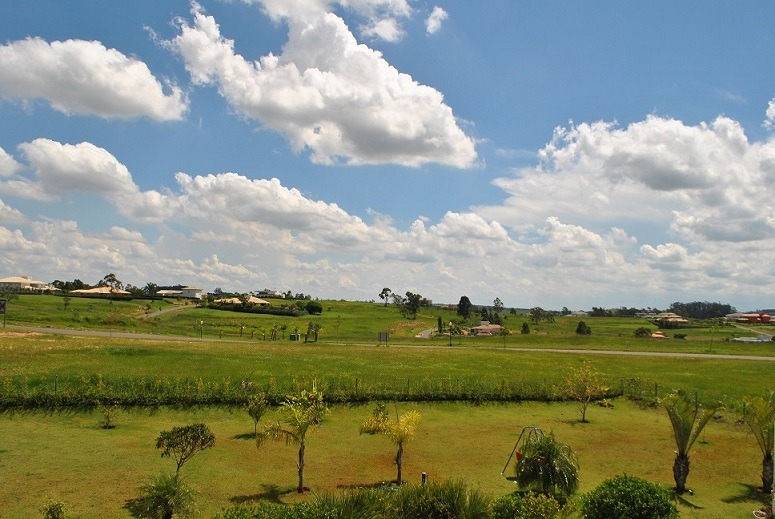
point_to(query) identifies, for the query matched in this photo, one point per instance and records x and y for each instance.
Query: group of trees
(701, 310)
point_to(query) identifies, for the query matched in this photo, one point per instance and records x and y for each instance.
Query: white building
(18, 283)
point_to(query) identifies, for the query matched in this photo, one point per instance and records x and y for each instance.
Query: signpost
(382, 337)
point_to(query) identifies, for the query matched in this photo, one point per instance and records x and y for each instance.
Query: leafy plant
(302, 414)
(526, 506)
(760, 417)
(257, 406)
(163, 497)
(181, 443)
(400, 430)
(631, 497)
(107, 414)
(583, 385)
(54, 510)
(548, 466)
(688, 420)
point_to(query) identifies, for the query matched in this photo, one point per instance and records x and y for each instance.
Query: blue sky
(545, 153)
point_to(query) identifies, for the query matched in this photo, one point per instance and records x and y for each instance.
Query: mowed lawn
(94, 471)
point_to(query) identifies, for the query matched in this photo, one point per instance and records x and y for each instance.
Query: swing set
(528, 435)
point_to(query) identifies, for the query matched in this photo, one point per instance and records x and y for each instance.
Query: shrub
(643, 332)
(583, 329)
(313, 307)
(627, 496)
(54, 510)
(548, 466)
(448, 499)
(163, 497)
(525, 506)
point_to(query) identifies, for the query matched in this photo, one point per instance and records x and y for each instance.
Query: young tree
(548, 466)
(385, 295)
(583, 385)
(688, 420)
(400, 431)
(464, 307)
(760, 417)
(181, 443)
(583, 329)
(302, 414)
(257, 406)
(525, 329)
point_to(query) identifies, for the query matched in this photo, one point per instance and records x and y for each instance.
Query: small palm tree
(688, 421)
(760, 417)
(547, 465)
(400, 430)
(302, 414)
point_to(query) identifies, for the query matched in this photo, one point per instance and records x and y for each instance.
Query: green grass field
(66, 456)
(94, 471)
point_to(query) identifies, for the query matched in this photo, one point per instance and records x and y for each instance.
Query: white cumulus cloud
(85, 77)
(435, 19)
(330, 95)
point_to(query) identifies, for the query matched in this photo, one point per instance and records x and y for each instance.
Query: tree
(302, 413)
(400, 431)
(66, 302)
(688, 420)
(412, 303)
(313, 329)
(112, 281)
(583, 385)
(313, 308)
(548, 466)
(464, 307)
(525, 329)
(385, 295)
(150, 289)
(538, 314)
(181, 443)
(760, 417)
(257, 406)
(497, 305)
(583, 329)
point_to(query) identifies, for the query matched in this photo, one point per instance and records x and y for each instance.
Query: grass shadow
(748, 493)
(271, 493)
(683, 502)
(244, 436)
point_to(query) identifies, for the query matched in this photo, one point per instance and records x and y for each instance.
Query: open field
(66, 457)
(347, 322)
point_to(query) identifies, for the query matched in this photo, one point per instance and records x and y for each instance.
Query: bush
(627, 496)
(526, 506)
(643, 332)
(313, 307)
(54, 510)
(163, 497)
(445, 500)
(583, 329)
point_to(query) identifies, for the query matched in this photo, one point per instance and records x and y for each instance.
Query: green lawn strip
(94, 471)
(40, 359)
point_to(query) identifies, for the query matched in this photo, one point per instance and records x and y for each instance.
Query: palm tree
(688, 421)
(760, 417)
(547, 465)
(302, 413)
(400, 430)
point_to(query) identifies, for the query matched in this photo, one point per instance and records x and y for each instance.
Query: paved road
(129, 335)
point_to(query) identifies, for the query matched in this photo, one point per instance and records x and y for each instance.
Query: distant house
(184, 293)
(228, 301)
(752, 318)
(22, 283)
(253, 300)
(485, 328)
(105, 291)
(669, 317)
(271, 293)
(659, 335)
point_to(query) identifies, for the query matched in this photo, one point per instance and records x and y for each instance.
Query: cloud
(435, 19)
(8, 165)
(86, 78)
(386, 29)
(328, 94)
(769, 122)
(82, 168)
(703, 181)
(10, 216)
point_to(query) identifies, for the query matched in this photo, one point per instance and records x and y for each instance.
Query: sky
(544, 153)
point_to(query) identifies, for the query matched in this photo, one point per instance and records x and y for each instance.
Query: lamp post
(201, 328)
(450, 333)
